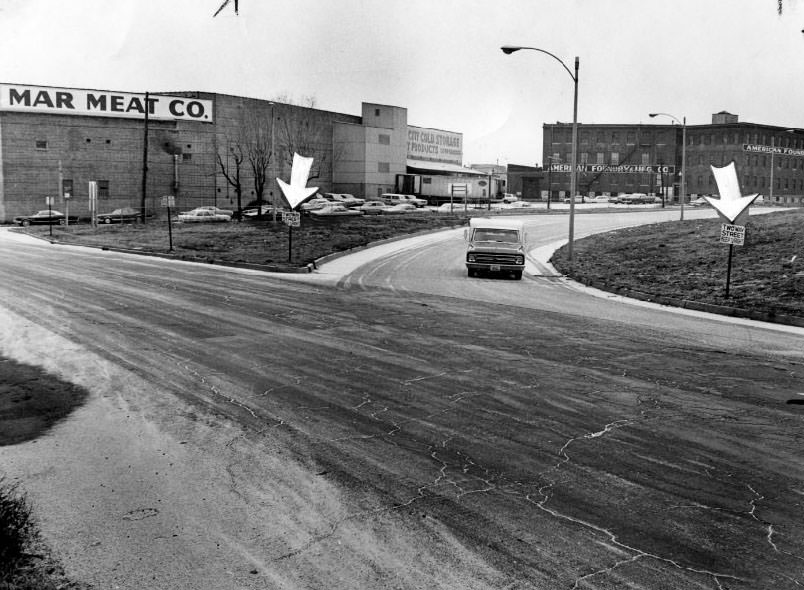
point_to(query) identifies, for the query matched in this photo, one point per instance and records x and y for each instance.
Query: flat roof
(442, 167)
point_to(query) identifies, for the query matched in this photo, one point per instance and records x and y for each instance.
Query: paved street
(391, 423)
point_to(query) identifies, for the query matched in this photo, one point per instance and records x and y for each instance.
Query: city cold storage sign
(102, 103)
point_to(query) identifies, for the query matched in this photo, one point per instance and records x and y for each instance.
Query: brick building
(203, 148)
(629, 158)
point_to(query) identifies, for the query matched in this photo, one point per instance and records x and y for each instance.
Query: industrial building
(202, 148)
(640, 158)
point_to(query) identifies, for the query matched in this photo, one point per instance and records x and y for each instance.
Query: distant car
(633, 199)
(335, 210)
(394, 198)
(47, 216)
(578, 199)
(203, 216)
(600, 199)
(215, 210)
(344, 199)
(400, 208)
(263, 211)
(313, 204)
(509, 198)
(457, 205)
(416, 200)
(699, 202)
(373, 208)
(122, 215)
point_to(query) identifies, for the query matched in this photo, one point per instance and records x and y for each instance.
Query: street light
(508, 50)
(683, 187)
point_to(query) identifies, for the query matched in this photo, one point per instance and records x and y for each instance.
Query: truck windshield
(508, 236)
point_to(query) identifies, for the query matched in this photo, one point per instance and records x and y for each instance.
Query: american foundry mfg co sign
(619, 169)
(102, 103)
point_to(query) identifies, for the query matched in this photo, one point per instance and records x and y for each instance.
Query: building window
(186, 157)
(385, 139)
(645, 158)
(41, 144)
(615, 158)
(707, 139)
(584, 158)
(614, 138)
(600, 156)
(600, 137)
(103, 188)
(376, 112)
(630, 138)
(383, 167)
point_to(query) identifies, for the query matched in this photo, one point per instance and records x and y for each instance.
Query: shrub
(17, 529)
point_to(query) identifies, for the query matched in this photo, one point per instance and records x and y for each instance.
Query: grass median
(684, 261)
(260, 242)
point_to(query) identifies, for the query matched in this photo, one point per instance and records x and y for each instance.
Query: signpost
(291, 219)
(169, 201)
(458, 189)
(731, 235)
(93, 200)
(49, 203)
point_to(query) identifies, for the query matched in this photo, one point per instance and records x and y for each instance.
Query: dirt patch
(32, 401)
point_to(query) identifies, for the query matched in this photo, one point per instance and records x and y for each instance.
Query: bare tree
(301, 136)
(259, 154)
(231, 165)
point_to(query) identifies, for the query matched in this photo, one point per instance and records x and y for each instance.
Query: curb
(726, 310)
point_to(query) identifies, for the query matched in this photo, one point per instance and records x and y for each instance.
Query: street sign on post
(732, 234)
(291, 219)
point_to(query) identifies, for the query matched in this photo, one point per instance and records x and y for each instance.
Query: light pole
(683, 187)
(508, 50)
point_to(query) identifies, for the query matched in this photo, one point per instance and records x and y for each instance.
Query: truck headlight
(470, 258)
(520, 260)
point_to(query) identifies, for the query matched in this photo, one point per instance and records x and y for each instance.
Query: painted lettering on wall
(435, 145)
(72, 101)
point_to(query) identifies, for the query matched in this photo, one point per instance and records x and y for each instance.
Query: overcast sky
(440, 59)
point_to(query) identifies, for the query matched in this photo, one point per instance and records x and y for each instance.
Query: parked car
(416, 200)
(600, 199)
(263, 211)
(122, 215)
(313, 204)
(699, 202)
(400, 208)
(344, 199)
(373, 208)
(47, 216)
(578, 199)
(632, 199)
(335, 210)
(509, 198)
(202, 215)
(215, 210)
(394, 198)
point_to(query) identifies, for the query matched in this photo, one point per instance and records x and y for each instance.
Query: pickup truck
(495, 246)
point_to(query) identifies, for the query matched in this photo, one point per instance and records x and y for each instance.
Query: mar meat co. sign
(102, 103)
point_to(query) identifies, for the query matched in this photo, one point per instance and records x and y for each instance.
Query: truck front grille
(490, 258)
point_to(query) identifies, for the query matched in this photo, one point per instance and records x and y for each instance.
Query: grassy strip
(24, 561)
(253, 242)
(31, 401)
(685, 261)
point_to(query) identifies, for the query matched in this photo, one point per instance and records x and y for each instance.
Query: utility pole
(144, 159)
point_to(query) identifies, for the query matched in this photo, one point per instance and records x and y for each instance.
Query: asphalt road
(391, 423)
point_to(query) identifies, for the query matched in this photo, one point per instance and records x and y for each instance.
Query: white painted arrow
(297, 191)
(731, 203)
